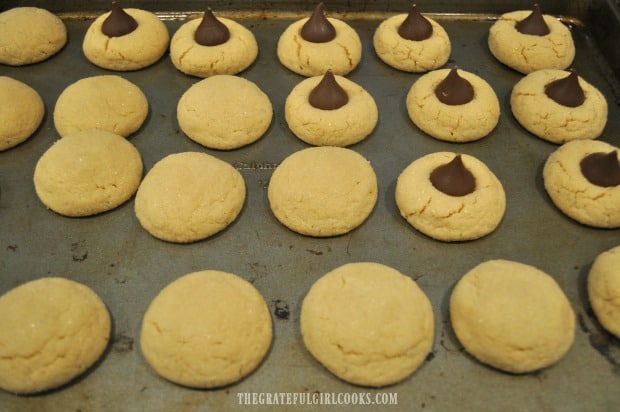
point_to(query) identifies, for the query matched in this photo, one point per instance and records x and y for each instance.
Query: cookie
(209, 46)
(604, 289)
(527, 41)
(52, 330)
(512, 316)
(106, 102)
(368, 324)
(412, 42)
(453, 105)
(87, 173)
(30, 35)
(582, 178)
(189, 196)
(206, 329)
(450, 197)
(21, 112)
(323, 191)
(330, 110)
(224, 112)
(315, 44)
(559, 106)
(125, 39)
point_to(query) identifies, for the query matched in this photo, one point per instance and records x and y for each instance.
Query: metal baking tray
(127, 267)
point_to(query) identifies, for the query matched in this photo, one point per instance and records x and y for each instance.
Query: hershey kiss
(454, 90)
(415, 26)
(533, 24)
(318, 29)
(211, 31)
(118, 23)
(566, 91)
(328, 94)
(601, 169)
(453, 178)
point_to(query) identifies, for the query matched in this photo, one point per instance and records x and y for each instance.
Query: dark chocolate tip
(118, 23)
(415, 26)
(601, 169)
(328, 94)
(211, 31)
(566, 91)
(454, 90)
(318, 29)
(533, 24)
(453, 178)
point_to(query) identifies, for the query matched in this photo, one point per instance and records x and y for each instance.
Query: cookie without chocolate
(604, 289)
(51, 331)
(21, 112)
(206, 329)
(512, 316)
(456, 214)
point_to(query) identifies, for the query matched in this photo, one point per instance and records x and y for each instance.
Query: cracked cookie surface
(409, 55)
(206, 329)
(453, 123)
(107, 102)
(53, 330)
(445, 217)
(340, 55)
(344, 126)
(573, 194)
(604, 289)
(552, 121)
(133, 51)
(512, 316)
(526, 53)
(231, 57)
(88, 172)
(189, 196)
(367, 323)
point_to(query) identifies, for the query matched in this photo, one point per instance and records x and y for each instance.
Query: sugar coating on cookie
(189, 196)
(341, 55)
(444, 216)
(106, 102)
(604, 289)
(53, 330)
(231, 57)
(367, 323)
(30, 35)
(344, 126)
(414, 56)
(133, 51)
(526, 53)
(88, 172)
(572, 192)
(454, 123)
(323, 191)
(512, 316)
(553, 121)
(206, 329)
(21, 112)
(224, 112)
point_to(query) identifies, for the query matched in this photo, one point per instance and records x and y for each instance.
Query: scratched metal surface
(127, 267)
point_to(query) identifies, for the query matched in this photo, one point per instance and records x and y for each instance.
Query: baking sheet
(127, 267)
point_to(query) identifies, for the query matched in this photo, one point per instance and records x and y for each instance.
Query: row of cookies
(367, 323)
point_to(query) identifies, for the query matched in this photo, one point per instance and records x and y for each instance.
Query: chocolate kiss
(211, 31)
(118, 23)
(454, 90)
(601, 169)
(533, 24)
(415, 26)
(453, 178)
(318, 29)
(566, 91)
(328, 95)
